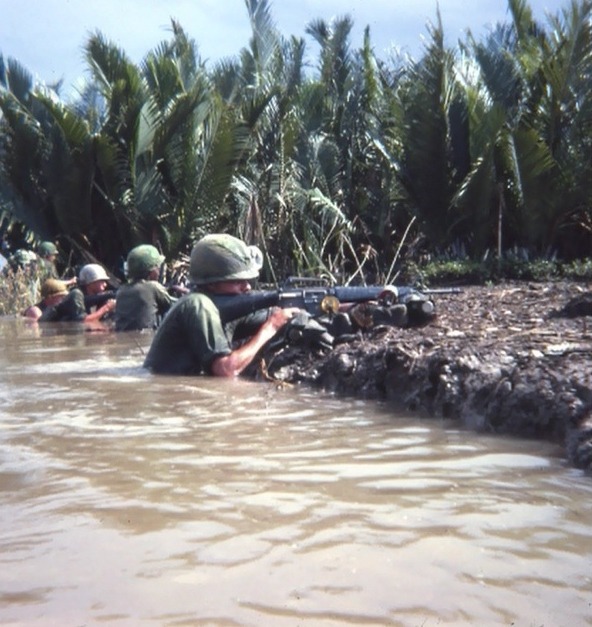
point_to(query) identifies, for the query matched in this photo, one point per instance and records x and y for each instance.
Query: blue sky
(47, 36)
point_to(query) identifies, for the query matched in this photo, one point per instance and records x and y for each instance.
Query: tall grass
(19, 288)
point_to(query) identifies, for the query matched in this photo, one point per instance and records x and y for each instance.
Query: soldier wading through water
(192, 338)
(71, 307)
(143, 301)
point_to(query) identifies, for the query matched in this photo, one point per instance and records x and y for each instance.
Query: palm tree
(330, 171)
(423, 135)
(522, 98)
(564, 118)
(168, 142)
(47, 162)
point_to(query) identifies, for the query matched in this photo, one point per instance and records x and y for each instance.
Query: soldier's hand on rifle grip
(278, 317)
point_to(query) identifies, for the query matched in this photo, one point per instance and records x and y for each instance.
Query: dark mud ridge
(513, 359)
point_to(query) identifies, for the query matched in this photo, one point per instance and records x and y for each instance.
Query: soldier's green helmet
(222, 257)
(46, 249)
(141, 260)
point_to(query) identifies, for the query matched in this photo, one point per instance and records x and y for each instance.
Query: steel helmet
(92, 272)
(141, 260)
(53, 287)
(46, 249)
(222, 257)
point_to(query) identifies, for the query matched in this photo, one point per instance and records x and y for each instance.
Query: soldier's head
(144, 262)
(93, 278)
(221, 260)
(47, 250)
(53, 291)
(23, 258)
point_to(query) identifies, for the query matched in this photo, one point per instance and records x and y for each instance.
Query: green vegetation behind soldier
(22, 275)
(143, 301)
(192, 338)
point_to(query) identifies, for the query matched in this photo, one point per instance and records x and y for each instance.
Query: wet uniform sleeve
(164, 301)
(189, 338)
(73, 306)
(208, 339)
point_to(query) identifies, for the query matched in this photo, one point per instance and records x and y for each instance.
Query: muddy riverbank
(506, 359)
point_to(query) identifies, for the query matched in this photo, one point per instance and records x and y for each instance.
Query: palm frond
(17, 79)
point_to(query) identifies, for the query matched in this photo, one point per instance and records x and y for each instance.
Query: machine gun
(320, 300)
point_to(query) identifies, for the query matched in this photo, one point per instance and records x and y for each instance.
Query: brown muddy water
(131, 499)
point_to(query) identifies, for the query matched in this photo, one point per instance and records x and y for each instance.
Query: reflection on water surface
(130, 499)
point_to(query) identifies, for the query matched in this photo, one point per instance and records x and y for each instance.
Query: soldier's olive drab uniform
(71, 309)
(189, 339)
(142, 303)
(47, 268)
(191, 335)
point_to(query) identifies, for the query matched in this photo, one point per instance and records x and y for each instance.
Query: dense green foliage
(357, 167)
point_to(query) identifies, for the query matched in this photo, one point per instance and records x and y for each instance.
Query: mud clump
(513, 358)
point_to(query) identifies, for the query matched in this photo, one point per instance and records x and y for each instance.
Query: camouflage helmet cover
(222, 257)
(24, 257)
(142, 259)
(46, 249)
